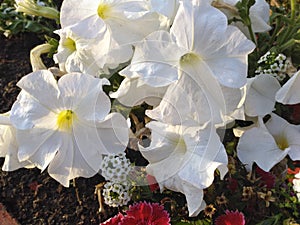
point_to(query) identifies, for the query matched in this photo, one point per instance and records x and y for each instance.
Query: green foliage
(12, 22)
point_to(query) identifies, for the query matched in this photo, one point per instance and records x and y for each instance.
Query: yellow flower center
(282, 142)
(70, 44)
(189, 58)
(65, 120)
(103, 10)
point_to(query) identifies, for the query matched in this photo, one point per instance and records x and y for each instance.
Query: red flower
(113, 221)
(231, 218)
(144, 213)
(153, 185)
(267, 178)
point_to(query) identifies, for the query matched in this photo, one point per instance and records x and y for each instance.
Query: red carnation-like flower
(114, 220)
(231, 218)
(144, 213)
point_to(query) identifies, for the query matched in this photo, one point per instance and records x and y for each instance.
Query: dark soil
(29, 195)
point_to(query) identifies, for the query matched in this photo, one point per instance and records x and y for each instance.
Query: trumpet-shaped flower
(200, 46)
(9, 146)
(66, 124)
(184, 158)
(200, 42)
(127, 20)
(259, 14)
(260, 97)
(93, 54)
(273, 141)
(289, 92)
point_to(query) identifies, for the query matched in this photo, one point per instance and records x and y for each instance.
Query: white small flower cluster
(116, 194)
(115, 169)
(296, 186)
(273, 65)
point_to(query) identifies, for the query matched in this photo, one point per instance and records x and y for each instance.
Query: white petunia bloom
(184, 158)
(9, 146)
(127, 20)
(67, 126)
(289, 92)
(200, 42)
(73, 54)
(201, 48)
(273, 141)
(93, 54)
(259, 14)
(260, 97)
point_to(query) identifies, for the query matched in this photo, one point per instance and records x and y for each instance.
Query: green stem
(252, 34)
(293, 21)
(288, 44)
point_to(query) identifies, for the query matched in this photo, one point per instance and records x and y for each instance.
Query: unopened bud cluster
(274, 65)
(115, 169)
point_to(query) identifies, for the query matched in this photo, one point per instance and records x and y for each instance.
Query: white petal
(68, 163)
(265, 153)
(9, 149)
(260, 99)
(131, 93)
(107, 137)
(281, 129)
(259, 16)
(229, 61)
(69, 14)
(196, 96)
(155, 60)
(193, 195)
(83, 94)
(42, 86)
(27, 112)
(289, 92)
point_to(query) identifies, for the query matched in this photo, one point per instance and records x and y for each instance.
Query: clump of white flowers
(274, 65)
(115, 168)
(116, 194)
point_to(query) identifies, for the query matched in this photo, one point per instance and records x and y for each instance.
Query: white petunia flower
(199, 41)
(289, 92)
(200, 46)
(93, 54)
(9, 145)
(184, 158)
(259, 14)
(273, 141)
(127, 20)
(66, 124)
(260, 97)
